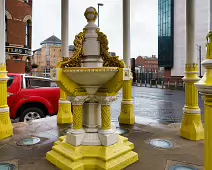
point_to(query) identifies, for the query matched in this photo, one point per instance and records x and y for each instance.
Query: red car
(31, 97)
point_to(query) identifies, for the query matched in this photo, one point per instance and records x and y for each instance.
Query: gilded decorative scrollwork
(191, 67)
(108, 61)
(209, 45)
(2, 67)
(75, 61)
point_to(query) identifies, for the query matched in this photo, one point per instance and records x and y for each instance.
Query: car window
(36, 83)
(10, 81)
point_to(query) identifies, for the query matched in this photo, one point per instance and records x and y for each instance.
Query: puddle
(161, 143)
(29, 141)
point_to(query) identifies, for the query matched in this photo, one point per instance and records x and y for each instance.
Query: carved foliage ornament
(75, 61)
(191, 67)
(78, 100)
(209, 45)
(106, 100)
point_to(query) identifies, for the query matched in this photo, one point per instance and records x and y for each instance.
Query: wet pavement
(158, 104)
(152, 106)
(32, 157)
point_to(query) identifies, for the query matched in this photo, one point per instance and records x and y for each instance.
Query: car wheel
(31, 114)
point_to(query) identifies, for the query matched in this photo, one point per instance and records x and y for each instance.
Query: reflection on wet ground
(160, 105)
(155, 104)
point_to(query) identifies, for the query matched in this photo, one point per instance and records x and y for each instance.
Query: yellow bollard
(64, 115)
(6, 129)
(191, 126)
(127, 115)
(205, 87)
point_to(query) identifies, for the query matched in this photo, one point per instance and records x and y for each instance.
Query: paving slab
(150, 158)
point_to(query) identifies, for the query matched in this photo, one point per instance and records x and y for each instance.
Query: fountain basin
(90, 76)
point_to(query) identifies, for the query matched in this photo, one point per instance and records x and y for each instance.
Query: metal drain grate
(29, 141)
(7, 166)
(65, 131)
(122, 131)
(182, 167)
(161, 143)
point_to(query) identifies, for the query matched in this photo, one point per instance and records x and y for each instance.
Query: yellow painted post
(127, 107)
(106, 117)
(191, 127)
(127, 115)
(205, 87)
(77, 116)
(64, 115)
(6, 129)
(208, 130)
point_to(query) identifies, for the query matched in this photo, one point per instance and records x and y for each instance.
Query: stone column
(76, 135)
(6, 129)
(127, 107)
(106, 116)
(205, 87)
(191, 127)
(107, 135)
(64, 114)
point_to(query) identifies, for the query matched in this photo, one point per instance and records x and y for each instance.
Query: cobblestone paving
(161, 104)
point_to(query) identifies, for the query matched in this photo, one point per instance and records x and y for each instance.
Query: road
(157, 104)
(154, 103)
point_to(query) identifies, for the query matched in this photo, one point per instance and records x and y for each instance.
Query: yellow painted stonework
(6, 129)
(191, 127)
(114, 157)
(208, 130)
(87, 84)
(77, 116)
(127, 115)
(64, 115)
(106, 117)
(205, 87)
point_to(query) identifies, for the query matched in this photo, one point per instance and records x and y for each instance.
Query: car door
(14, 84)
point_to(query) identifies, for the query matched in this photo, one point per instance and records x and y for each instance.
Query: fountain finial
(91, 14)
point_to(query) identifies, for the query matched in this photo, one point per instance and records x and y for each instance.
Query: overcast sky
(47, 20)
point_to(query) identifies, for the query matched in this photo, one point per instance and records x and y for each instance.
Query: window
(165, 33)
(6, 25)
(10, 81)
(28, 32)
(47, 50)
(36, 83)
(46, 72)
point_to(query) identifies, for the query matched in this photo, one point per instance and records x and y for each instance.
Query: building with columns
(172, 36)
(18, 35)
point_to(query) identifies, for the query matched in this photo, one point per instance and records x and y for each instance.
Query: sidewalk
(150, 158)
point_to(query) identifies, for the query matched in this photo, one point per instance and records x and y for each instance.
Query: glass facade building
(165, 33)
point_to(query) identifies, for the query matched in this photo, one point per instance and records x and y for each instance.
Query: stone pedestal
(92, 78)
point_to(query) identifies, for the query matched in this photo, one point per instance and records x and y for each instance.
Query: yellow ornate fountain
(92, 80)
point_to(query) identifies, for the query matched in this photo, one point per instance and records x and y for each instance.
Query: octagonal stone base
(117, 156)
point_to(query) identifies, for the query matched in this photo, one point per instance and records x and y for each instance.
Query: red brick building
(18, 31)
(148, 64)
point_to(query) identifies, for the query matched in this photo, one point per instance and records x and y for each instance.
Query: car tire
(36, 112)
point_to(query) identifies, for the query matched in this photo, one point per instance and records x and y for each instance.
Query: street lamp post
(99, 4)
(199, 48)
